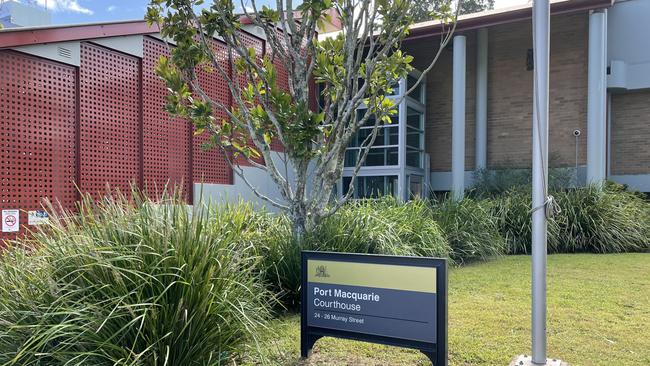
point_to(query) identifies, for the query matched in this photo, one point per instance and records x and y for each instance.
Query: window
(372, 186)
(414, 137)
(384, 150)
(397, 151)
(417, 93)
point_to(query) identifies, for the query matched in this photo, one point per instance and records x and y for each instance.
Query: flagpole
(541, 25)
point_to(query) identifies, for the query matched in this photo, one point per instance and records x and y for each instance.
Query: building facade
(599, 93)
(82, 109)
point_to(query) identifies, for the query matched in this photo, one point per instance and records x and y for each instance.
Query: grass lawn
(598, 314)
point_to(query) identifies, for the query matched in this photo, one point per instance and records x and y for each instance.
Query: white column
(402, 184)
(481, 98)
(458, 119)
(597, 98)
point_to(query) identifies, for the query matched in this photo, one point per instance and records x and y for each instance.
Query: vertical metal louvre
(109, 84)
(37, 143)
(167, 149)
(210, 166)
(260, 50)
(282, 82)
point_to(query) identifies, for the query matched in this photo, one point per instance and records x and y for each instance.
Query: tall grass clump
(610, 220)
(128, 281)
(497, 182)
(595, 220)
(470, 227)
(269, 237)
(382, 226)
(513, 212)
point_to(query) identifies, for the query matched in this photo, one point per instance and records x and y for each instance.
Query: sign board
(399, 301)
(38, 217)
(10, 221)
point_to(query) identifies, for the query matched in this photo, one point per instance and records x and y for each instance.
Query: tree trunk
(299, 225)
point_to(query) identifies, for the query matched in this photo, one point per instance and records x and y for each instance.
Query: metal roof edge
(502, 16)
(78, 32)
(25, 36)
(15, 37)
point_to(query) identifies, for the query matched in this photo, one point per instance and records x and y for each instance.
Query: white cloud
(111, 8)
(65, 5)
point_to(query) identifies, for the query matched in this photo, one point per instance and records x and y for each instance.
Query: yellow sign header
(388, 276)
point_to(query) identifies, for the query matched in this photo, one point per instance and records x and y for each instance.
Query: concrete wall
(239, 190)
(629, 84)
(231, 193)
(627, 44)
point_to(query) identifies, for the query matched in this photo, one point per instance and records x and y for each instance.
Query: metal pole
(541, 26)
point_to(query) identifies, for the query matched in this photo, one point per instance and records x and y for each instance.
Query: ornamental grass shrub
(608, 220)
(470, 228)
(382, 226)
(512, 210)
(611, 220)
(132, 282)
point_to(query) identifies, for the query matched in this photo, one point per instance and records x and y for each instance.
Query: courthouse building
(81, 108)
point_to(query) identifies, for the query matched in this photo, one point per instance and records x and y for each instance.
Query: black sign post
(392, 300)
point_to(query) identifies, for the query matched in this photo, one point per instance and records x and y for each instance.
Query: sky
(84, 11)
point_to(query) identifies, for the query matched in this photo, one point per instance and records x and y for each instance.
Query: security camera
(576, 133)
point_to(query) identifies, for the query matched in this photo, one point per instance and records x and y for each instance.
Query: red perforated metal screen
(210, 166)
(37, 143)
(166, 140)
(260, 50)
(100, 125)
(109, 119)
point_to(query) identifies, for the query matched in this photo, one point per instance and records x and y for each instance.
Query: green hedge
(132, 281)
(472, 229)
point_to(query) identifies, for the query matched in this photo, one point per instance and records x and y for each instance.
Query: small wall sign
(399, 301)
(10, 221)
(38, 217)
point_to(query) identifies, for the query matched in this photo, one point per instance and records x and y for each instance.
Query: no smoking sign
(10, 221)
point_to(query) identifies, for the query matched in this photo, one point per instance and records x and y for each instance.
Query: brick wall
(439, 101)
(510, 88)
(630, 137)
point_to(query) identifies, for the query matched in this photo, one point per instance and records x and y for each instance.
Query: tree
(425, 10)
(358, 66)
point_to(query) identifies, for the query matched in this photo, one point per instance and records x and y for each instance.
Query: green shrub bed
(471, 229)
(132, 282)
(137, 282)
(381, 226)
(608, 220)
